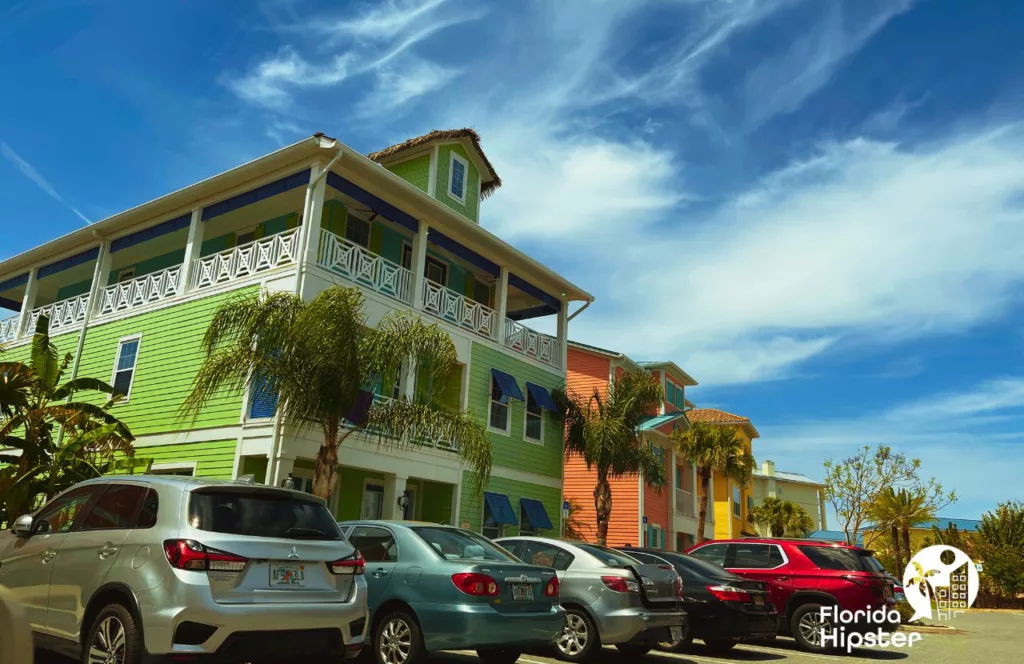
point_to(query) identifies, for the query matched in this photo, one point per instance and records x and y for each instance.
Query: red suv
(805, 575)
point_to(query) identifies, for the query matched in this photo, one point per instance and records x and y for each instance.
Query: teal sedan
(434, 587)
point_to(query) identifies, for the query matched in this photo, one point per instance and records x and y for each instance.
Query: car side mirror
(22, 526)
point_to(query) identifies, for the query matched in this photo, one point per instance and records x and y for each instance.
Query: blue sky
(816, 208)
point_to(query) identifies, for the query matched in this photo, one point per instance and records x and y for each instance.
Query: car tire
(579, 638)
(397, 640)
(633, 649)
(498, 655)
(806, 625)
(683, 645)
(114, 631)
(719, 646)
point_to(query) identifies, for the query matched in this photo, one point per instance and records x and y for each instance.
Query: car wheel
(397, 640)
(719, 646)
(808, 626)
(633, 649)
(113, 638)
(680, 646)
(497, 655)
(579, 637)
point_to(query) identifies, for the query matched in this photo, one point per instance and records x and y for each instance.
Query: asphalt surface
(980, 638)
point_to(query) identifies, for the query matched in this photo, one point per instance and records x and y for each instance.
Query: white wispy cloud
(271, 82)
(36, 177)
(397, 86)
(378, 23)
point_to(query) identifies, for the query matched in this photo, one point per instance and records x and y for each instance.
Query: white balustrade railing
(684, 503)
(137, 292)
(364, 267)
(458, 309)
(9, 329)
(531, 343)
(63, 315)
(247, 259)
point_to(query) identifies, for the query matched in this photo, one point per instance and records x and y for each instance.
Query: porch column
(672, 483)
(563, 336)
(193, 249)
(456, 504)
(419, 265)
(394, 487)
(28, 303)
(280, 468)
(501, 304)
(309, 233)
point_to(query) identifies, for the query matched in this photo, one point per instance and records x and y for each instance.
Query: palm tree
(574, 526)
(713, 449)
(885, 513)
(782, 517)
(899, 512)
(604, 431)
(60, 440)
(323, 362)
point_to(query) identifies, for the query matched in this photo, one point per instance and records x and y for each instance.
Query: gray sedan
(609, 598)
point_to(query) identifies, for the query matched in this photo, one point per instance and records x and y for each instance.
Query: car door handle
(49, 555)
(108, 550)
(782, 578)
(379, 573)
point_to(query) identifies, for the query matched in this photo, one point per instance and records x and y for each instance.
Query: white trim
(432, 172)
(453, 157)
(383, 495)
(175, 465)
(135, 365)
(507, 431)
(526, 478)
(526, 419)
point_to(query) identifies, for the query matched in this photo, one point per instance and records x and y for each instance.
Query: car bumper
(329, 628)
(735, 626)
(462, 626)
(634, 625)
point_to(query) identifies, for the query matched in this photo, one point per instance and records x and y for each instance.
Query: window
(837, 558)
(126, 275)
(376, 544)
(609, 557)
(534, 419)
(457, 544)
(750, 504)
(303, 484)
(481, 292)
(712, 553)
(436, 271)
(736, 498)
(457, 177)
(525, 527)
(499, 420)
(679, 477)
(491, 529)
(124, 366)
(670, 392)
(245, 237)
(753, 556)
(407, 256)
(116, 508)
(180, 470)
(258, 512)
(60, 515)
(148, 513)
(373, 502)
(546, 555)
(357, 231)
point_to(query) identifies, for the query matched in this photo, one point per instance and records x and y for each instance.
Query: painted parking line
(789, 652)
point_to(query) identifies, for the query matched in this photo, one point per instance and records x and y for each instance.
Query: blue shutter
(670, 392)
(263, 402)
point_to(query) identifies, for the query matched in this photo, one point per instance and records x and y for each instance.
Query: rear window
(838, 558)
(609, 557)
(455, 544)
(261, 514)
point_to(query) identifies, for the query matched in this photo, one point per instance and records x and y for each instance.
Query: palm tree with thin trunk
(324, 364)
(899, 512)
(604, 431)
(713, 448)
(782, 517)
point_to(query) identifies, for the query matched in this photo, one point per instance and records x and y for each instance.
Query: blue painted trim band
(152, 232)
(14, 282)
(530, 289)
(300, 179)
(451, 246)
(68, 263)
(378, 205)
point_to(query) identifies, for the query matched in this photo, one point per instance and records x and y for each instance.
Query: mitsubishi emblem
(293, 554)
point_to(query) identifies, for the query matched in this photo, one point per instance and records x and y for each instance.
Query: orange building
(664, 518)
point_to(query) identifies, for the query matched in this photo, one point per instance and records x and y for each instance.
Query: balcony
(685, 503)
(64, 315)
(246, 260)
(138, 292)
(364, 267)
(458, 309)
(530, 343)
(8, 329)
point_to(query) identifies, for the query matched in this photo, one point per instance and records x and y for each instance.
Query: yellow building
(733, 501)
(794, 487)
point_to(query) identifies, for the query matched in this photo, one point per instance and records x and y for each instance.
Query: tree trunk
(603, 506)
(906, 543)
(702, 511)
(778, 530)
(894, 535)
(325, 473)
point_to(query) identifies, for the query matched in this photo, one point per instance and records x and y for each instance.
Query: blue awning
(536, 513)
(500, 508)
(542, 397)
(508, 386)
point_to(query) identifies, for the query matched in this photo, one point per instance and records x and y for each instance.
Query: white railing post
(419, 266)
(193, 249)
(501, 303)
(28, 302)
(563, 336)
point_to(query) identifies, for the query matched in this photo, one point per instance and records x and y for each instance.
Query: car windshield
(455, 544)
(261, 514)
(609, 557)
(839, 558)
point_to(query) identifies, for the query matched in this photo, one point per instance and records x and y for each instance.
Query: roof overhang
(672, 368)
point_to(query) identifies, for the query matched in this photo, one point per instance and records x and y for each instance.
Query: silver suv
(121, 568)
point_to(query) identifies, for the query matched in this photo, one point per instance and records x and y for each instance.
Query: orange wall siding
(586, 372)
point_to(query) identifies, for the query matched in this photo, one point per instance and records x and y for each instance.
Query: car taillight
(621, 585)
(551, 590)
(866, 581)
(192, 555)
(678, 585)
(354, 564)
(729, 593)
(478, 585)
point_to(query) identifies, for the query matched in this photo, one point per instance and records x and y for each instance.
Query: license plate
(676, 633)
(759, 600)
(522, 592)
(288, 575)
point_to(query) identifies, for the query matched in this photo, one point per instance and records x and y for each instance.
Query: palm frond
(81, 385)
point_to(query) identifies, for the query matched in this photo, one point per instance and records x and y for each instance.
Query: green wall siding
(471, 207)
(471, 505)
(168, 359)
(435, 501)
(350, 491)
(65, 343)
(213, 459)
(512, 451)
(414, 171)
(255, 466)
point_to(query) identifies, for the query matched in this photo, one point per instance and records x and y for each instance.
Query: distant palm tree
(574, 525)
(323, 361)
(782, 518)
(899, 512)
(713, 449)
(604, 431)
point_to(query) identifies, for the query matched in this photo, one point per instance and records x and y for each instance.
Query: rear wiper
(304, 532)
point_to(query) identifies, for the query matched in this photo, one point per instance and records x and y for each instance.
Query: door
(380, 550)
(373, 502)
(762, 562)
(29, 563)
(87, 554)
(409, 512)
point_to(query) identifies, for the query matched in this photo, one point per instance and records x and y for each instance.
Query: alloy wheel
(395, 642)
(812, 625)
(574, 636)
(108, 643)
